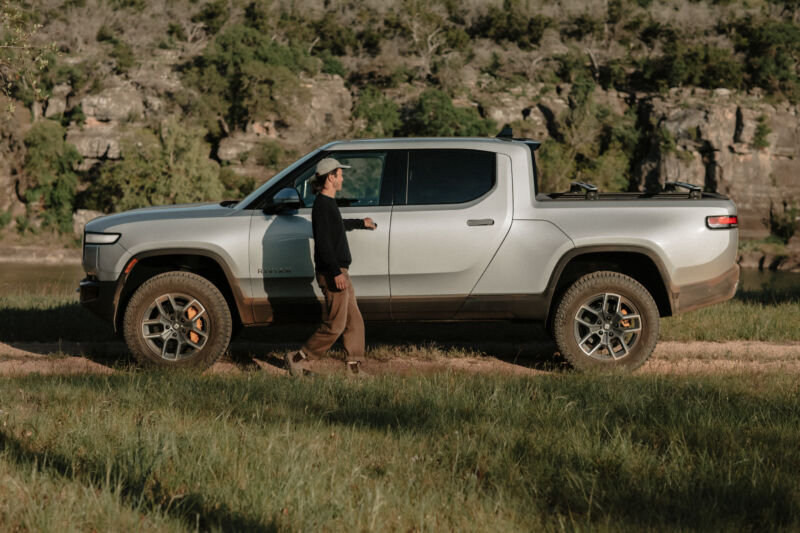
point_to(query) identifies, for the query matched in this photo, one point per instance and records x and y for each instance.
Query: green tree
(21, 62)
(381, 114)
(244, 75)
(49, 163)
(434, 115)
(164, 167)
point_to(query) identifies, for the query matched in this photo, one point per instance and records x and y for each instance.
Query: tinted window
(449, 176)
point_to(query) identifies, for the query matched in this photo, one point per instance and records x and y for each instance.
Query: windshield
(276, 178)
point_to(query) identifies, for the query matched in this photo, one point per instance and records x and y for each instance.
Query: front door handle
(480, 222)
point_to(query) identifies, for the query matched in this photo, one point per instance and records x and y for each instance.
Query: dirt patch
(510, 359)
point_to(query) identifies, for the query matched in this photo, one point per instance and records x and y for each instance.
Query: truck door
(449, 217)
(282, 246)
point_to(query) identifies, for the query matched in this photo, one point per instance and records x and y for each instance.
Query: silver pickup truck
(462, 234)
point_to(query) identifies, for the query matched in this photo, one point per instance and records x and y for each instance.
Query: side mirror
(285, 200)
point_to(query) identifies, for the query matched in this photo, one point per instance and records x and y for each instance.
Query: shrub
(5, 218)
(762, 130)
(333, 37)
(434, 115)
(585, 26)
(331, 65)
(176, 31)
(49, 161)
(123, 55)
(772, 49)
(213, 15)
(236, 185)
(783, 224)
(695, 65)
(164, 167)
(510, 24)
(105, 34)
(270, 154)
(381, 113)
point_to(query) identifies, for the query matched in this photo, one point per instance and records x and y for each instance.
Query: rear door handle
(480, 222)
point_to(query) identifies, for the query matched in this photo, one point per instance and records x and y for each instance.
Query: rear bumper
(98, 297)
(697, 295)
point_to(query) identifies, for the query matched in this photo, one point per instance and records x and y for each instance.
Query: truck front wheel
(606, 321)
(177, 320)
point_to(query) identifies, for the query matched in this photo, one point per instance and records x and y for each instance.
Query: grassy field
(447, 452)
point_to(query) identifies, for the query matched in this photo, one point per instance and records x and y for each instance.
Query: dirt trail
(20, 358)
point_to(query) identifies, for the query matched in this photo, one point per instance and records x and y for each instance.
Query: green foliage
(105, 35)
(176, 31)
(270, 154)
(666, 141)
(134, 5)
(693, 65)
(760, 135)
(592, 144)
(5, 218)
(49, 163)
(510, 24)
(331, 65)
(434, 115)
(783, 224)
(244, 75)
(583, 26)
(75, 115)
(235, 185)
(164, 167)
(332, 36)
(213, 15)
(381, 114)
(123, 55)
(773, 55)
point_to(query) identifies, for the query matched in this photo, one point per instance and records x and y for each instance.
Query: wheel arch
(639, 263)
(210, 266)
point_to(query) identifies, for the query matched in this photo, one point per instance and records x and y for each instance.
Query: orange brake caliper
(191, 313)
(625, 323)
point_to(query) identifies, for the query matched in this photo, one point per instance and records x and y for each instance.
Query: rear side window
(449, 176)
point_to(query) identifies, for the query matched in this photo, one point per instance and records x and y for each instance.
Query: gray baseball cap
(328, 164)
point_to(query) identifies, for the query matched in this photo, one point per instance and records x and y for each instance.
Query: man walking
(341, 316)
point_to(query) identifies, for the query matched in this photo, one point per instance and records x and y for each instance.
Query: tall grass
(449, 452)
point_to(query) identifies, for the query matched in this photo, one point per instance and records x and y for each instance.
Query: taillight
(722, 222)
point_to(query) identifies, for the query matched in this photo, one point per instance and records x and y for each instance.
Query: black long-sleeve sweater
(331, 251)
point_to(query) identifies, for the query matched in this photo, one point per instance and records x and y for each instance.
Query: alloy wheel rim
(607, 326)
(175, 326)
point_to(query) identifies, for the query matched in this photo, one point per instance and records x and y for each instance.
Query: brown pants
(340, 317)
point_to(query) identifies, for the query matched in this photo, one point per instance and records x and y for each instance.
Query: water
(754, 280)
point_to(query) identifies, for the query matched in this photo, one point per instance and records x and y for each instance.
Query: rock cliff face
(736, 144)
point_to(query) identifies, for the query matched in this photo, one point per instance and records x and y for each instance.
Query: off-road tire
(588, 295)
(182, 286)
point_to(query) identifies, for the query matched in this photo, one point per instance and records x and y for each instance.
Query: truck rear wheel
(177, 320)
(606, 321)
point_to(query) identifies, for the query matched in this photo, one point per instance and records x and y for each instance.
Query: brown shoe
(355, 370)
(295, 363)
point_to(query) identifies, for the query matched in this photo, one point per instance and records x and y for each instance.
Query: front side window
(449, 176)
(362, 181)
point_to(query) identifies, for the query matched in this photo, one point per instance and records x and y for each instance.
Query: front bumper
(98, 297)
(697, 295)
